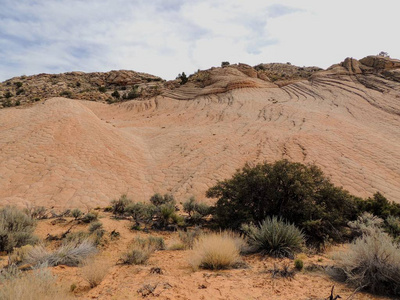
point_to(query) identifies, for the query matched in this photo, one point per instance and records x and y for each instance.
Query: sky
(167, 37)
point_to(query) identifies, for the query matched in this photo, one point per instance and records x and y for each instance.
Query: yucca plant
(274, 237)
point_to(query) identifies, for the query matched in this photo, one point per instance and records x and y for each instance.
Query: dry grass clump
(372, 263)
(37, 285)
(94, 271)
(215, 251)
(275, 237)
(140, 250)
(71, 254)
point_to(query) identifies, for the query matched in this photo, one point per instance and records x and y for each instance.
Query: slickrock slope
(75, 153)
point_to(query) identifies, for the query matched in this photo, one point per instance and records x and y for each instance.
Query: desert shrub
(275, 237)
(165, 211)
(94, 271)
(16, 229)
(36, 212)
(151, 242)
(135, 256)
(116, 94)
(17, 103)
(141, 213)
(392, 227)
(76, 213)
(283, 272)
(225, 64)
(94, 226)
(298, 264)
(189, 237)
(67, 94)
(90, 217)
(380, 206)
(8, 95)
(36, 285)
(184, 79)
(70, 254)
(215, 251)
(19, 92)
(294, 191)
(132, 94)
(158, 200)
(119, 205)
(18, 84)
(365, 224)
(372, 263)
(140, 250)
(196, 211)
(102, 89)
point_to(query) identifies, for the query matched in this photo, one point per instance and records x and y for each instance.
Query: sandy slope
(69, 153)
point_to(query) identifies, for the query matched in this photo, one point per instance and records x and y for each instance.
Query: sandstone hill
(182, 138)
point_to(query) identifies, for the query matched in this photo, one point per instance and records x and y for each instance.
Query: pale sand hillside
(74, 153)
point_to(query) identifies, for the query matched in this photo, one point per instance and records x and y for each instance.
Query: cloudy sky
(166, 37)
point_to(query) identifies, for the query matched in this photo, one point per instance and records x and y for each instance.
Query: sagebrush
(372, 263)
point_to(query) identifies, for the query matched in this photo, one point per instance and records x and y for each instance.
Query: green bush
(116, 94)
(67, 94)
(132, 94)
(196, 211)
(392, 227)
(141, 213)
(299, 193)
(275, 237)
(8, 95)
(16, 229)
(102, 89)
(184, 79)
(379, 206)
(372, 263)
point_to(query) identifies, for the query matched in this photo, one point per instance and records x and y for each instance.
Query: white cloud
(166, 37)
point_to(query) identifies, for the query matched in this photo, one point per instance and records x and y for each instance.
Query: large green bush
(16, 229)
(299, 193)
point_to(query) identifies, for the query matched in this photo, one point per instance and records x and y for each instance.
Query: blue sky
(166, 37)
